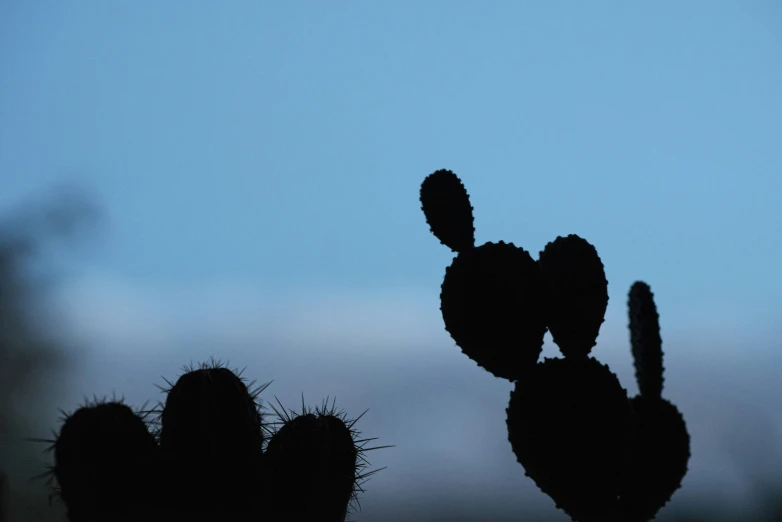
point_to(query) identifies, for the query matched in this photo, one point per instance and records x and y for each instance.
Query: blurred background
(187, 179)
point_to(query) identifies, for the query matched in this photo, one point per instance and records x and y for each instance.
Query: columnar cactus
(597, 454)
(208, 453)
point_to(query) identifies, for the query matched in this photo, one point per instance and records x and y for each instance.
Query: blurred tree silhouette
(32, 352)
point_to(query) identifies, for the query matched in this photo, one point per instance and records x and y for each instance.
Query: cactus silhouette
(208, 453)
(662, 444)
(492, 295)
(599, 455)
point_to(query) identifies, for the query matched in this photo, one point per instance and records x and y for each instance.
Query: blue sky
(259, 164)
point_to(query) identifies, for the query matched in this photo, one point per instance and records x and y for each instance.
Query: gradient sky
(260, 164)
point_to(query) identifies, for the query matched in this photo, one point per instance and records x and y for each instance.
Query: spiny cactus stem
(645, 340)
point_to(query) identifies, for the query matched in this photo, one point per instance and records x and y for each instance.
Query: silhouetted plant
(208, 453)
(597, 454)
(663, 444)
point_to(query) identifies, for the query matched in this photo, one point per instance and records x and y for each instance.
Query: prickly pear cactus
(492, 295)
(599, 455)
(208, 453)
(662, 446)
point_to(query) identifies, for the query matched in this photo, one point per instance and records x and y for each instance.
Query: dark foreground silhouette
(208, 453)
(598, 454)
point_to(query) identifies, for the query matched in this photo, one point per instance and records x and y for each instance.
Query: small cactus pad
(576, 293)
(313, 464)
(446, 205)
(105, 463)
(212, 441)
(660, 457)
(570, 426)
(645, 340)
(491, 302)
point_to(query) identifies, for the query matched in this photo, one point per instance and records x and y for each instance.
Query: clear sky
(259, 162)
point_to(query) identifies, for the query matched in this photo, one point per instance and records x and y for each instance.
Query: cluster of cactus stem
(208, 453)
(598, 454)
